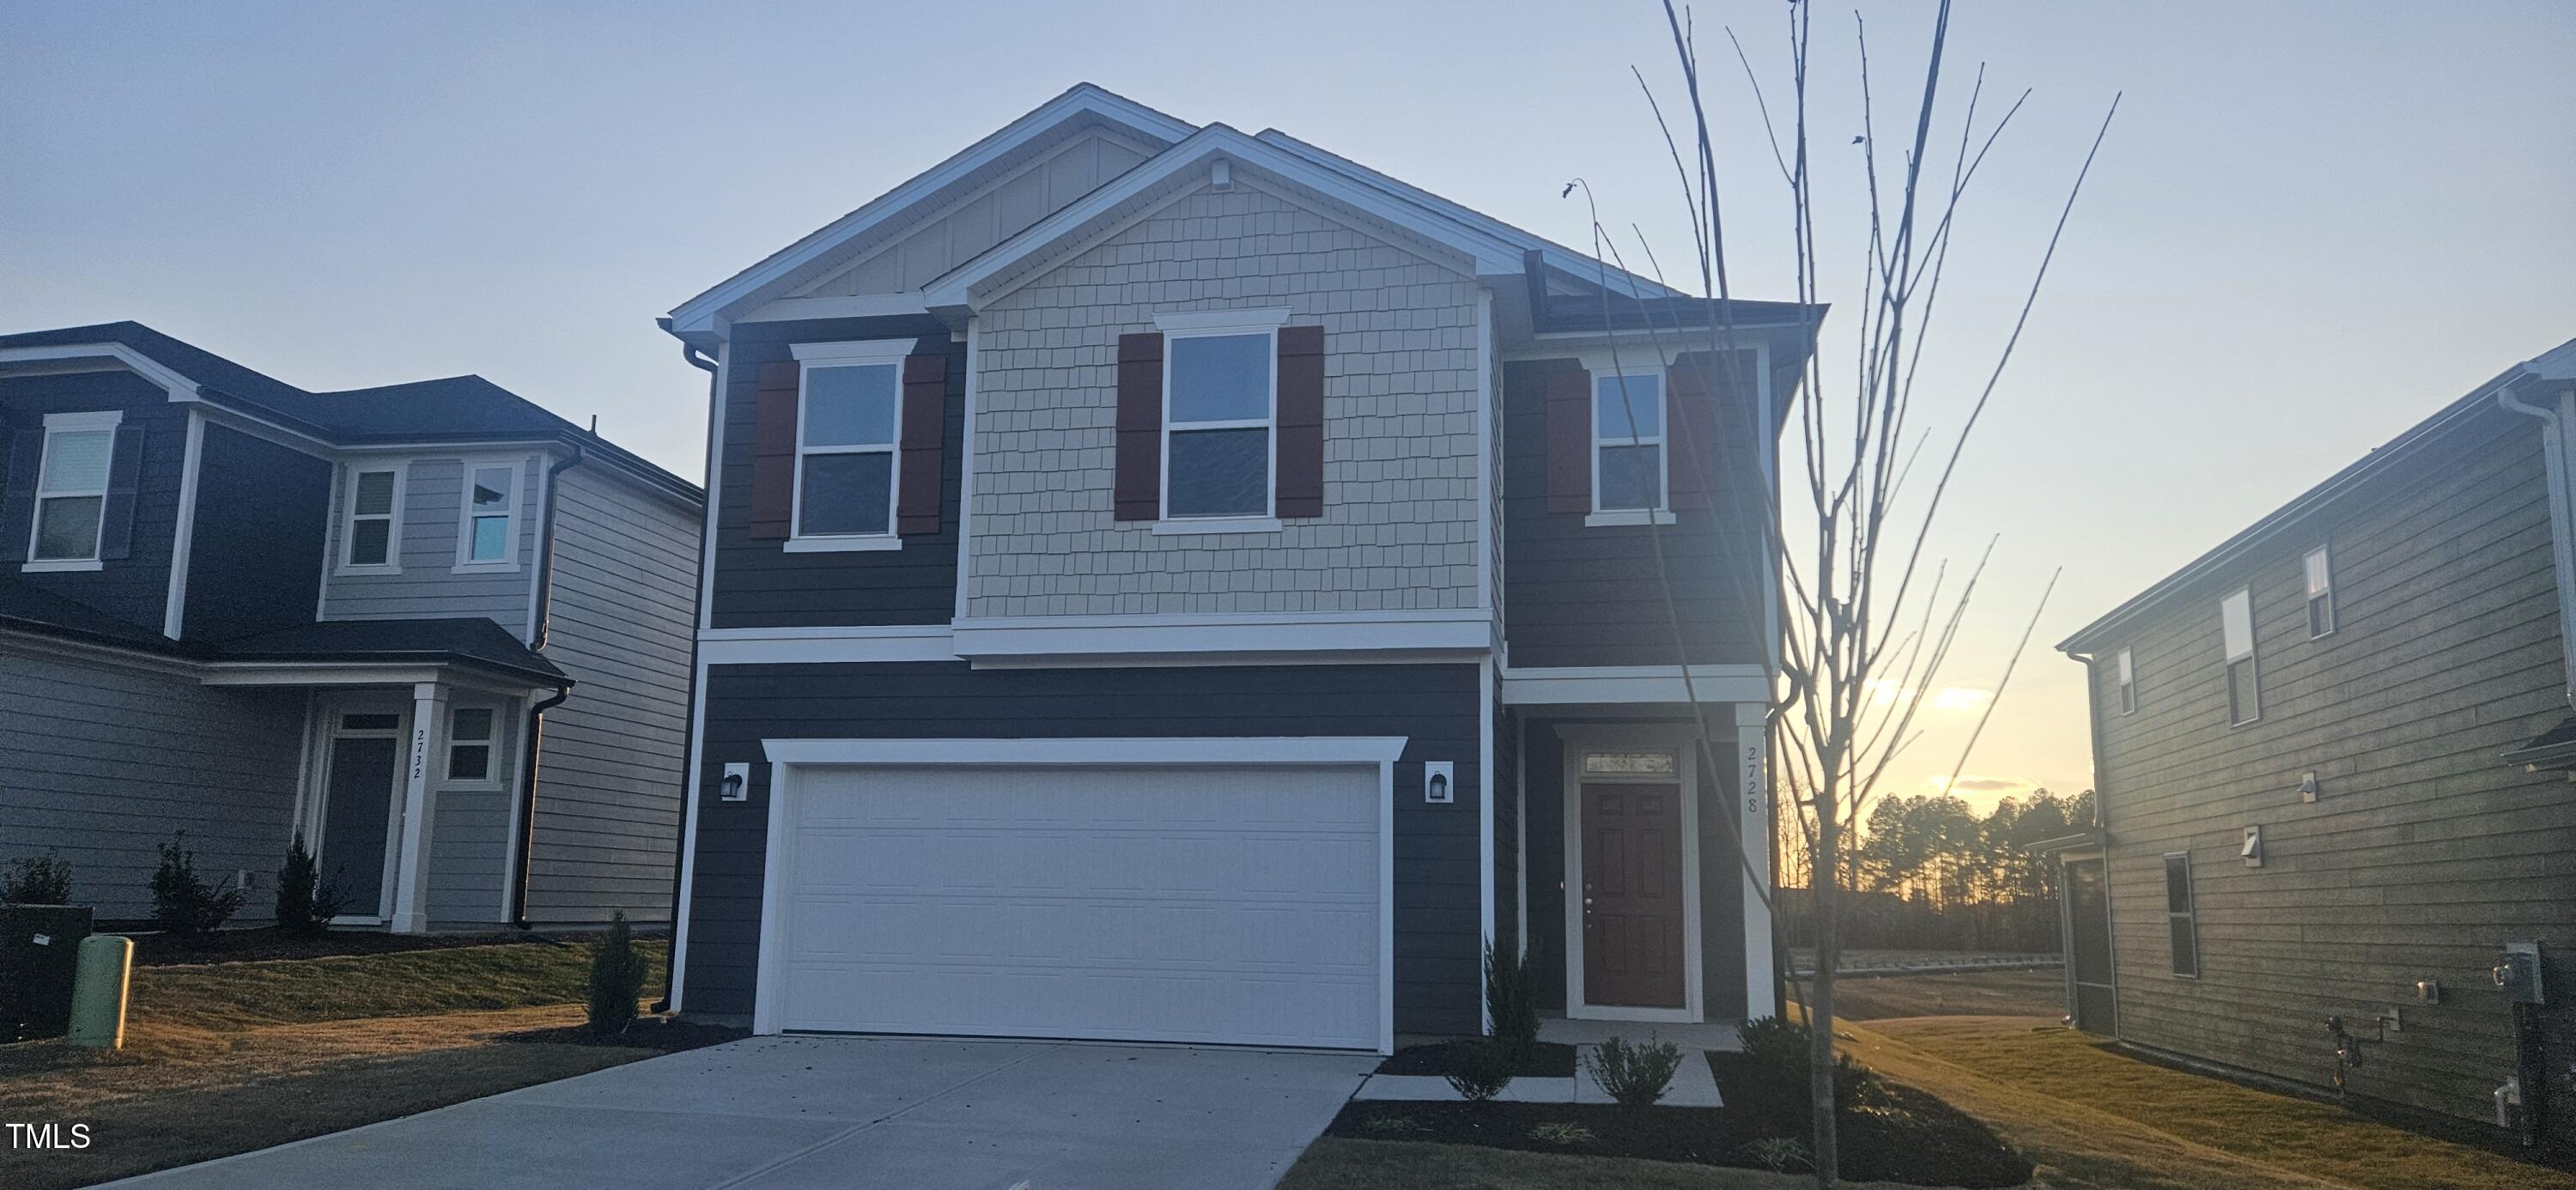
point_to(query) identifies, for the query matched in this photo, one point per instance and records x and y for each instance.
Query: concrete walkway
(773, 1113)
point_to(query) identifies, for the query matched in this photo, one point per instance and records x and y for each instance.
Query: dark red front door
(1632, 896)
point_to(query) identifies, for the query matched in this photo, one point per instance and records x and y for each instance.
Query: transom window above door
(1220, 407)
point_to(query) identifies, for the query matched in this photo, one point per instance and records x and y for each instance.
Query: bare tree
(1865, 619)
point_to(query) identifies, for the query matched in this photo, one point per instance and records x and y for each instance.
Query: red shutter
(1698, 395)
(1569, 441)
(1139, 486)
(925, 426)
(1301, 422)
(773, 450)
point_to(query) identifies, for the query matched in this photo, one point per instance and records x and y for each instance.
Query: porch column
(411, 874)
(1752, 746)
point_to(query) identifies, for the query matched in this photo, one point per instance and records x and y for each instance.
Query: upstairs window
(469, 745)
(368, 537)
(71, 487)
(2128, 684)
(1220, 407)
(490, 538)
(2321, 608)
(1630, 472)
(2236, 633)
(2180, 920)
(848, 418)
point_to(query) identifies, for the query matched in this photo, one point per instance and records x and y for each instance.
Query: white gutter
(2556, 425)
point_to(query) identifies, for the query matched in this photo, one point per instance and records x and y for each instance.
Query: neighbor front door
(1632, 896)
(357, 811)
(2088, 929)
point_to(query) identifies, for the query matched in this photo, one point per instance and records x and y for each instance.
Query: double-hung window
(849, 419)
(469, 746)
(2321, 608)
(2236, 632)
(1630, 467)
(1220, 417)
(2180, 920)
(375, 500)
(71, 489)
(2128, 683)
(488, 539)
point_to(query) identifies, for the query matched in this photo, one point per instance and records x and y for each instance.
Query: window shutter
(1139, 486)
(773, 450)
(18, 509)
(124, 475)
(925, 426)
(1696, 391)
(1569, 441)
(1301, 422)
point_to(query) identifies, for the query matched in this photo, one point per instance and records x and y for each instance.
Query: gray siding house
(1170, 583)
(435, 630)
(2332, 759)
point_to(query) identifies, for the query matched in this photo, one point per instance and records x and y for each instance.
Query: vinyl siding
(135, 588)
(105, 762)
(1437, 941)
(469, 841)
(2423, 853)
(430, 525)
(618, 620)
(262, 514)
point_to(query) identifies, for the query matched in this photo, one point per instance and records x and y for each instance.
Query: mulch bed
(668, 1034)
(1915, 1138)
(249, 946)
(1542, 1059)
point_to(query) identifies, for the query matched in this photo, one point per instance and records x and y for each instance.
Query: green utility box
(38, 956)
(99, 991)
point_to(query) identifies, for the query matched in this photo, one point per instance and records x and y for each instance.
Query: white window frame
(2127, 675)
(1213, 324)
(862, 353)
(2236, 713)
(83, 422)
(1662, 512)
(401, 471)
(2190, 913)
(490, 742)
(465, 562)
(2316, 561)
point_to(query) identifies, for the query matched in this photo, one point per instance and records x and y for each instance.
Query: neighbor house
(1168, 583)
(2332, 761)
(439, 632)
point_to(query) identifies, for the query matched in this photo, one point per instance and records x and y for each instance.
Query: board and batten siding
(619, 619)
(2423, 853)
(262, 514)
(104, 762)
(429, 587)
(1399, 529)
(135, 588)
(1437, 937)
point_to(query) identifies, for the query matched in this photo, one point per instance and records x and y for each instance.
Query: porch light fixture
(1438, 782)
(736, 786)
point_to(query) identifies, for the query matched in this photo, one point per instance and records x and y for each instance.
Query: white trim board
(1616, 684)
(825, 646)
(174, 602)
(1466, 630)
(110, 356)
(1684, 746)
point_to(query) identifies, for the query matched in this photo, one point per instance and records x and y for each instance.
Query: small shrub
(38, 880)
(616, 979)
(1777, 1049)
(1634, 1075)
(1479, 1070)
(183, 905)
(306, 902)
(1779, 1154)
(1561, 1134)
(1507, 992)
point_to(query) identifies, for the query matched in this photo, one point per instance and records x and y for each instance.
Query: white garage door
(1223, 905)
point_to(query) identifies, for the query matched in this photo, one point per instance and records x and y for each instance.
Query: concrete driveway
(777, 1112)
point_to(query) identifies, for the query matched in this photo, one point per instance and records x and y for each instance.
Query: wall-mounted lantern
(2308, 786)
(736, 786)
(2253, 848)
(1439, 782)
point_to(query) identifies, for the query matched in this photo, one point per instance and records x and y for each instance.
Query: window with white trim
(2236, 633)
(71, 487)
(490, 537)
(2321, 608)
(1630, 471)
(368, 537)
(849, 416)
(1220, 417)
(2128, 683)
(2182, 922)
(469, 745)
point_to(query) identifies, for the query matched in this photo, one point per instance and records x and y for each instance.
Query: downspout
(2562, 522)
(536, 725)
(688, 781)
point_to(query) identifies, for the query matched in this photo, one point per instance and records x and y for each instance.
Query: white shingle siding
(1400, 403)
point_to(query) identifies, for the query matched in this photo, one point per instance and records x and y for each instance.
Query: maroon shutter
(925, 425)
(773, 450)
(1139, 487)
(1700, 393)
(1569, 441)
(1301, 422)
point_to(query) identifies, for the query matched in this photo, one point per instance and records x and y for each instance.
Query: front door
(2088, 929)
(357, 809)
(1632, 896)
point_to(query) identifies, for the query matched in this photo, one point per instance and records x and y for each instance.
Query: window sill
(365, 569)
(1190, 526)
(510, 567)
(841, 545)
(60, 565)
(1631, 516)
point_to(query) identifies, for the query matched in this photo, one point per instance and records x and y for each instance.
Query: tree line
(1930, 873)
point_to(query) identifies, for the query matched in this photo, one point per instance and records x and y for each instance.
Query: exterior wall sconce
(736, 786)
(2253, 848)
(1439, 782)
(2308, 786)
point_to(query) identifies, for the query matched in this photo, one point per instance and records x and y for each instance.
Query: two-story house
(437, 631)
(2331, 757)
(1168, 583)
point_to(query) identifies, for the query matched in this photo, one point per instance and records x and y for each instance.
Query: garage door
(1222, 905)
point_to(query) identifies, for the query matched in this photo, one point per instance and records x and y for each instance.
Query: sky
(2310, 225)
